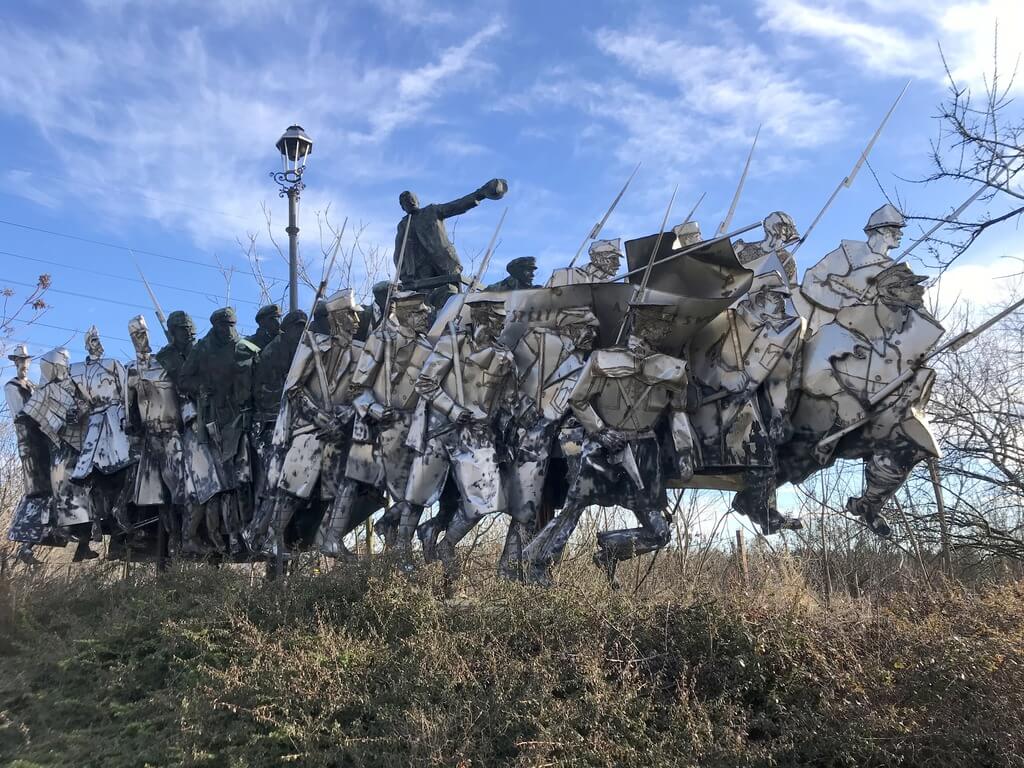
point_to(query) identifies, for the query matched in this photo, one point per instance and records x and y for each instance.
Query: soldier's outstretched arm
(433, 373)
(460, 206)
(579, 400)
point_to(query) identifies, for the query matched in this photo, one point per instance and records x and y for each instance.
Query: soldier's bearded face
(140, 340)
(487, 322)
(524, 274)
(21, 365)
(225, 331)
(94, 346)
(271, 324)
(183, 335)
(415, 318)
(343, 323)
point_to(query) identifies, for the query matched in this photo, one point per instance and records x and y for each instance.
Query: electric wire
(126, 248)
(204, 294)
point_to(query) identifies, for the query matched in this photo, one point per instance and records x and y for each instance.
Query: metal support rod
(293, 248)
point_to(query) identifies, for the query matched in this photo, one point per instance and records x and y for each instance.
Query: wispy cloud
(901, 37)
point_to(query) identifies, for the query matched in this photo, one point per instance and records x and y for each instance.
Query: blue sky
(151, 126)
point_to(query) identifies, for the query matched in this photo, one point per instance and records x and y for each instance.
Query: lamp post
(295, 146)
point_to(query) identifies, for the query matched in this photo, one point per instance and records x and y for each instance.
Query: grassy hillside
(360, 667)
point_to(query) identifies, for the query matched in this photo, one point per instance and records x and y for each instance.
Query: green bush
(365, 667)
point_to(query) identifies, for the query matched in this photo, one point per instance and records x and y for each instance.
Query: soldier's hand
(387, 415)
(465, 417)
(611, 440)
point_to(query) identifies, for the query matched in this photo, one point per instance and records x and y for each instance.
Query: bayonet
(592, 235)
(387, 310)
(848, 180)
(160, 316)
(952, 217)
(739, 187)
(689, 216)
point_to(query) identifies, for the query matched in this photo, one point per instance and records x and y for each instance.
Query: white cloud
(182, 119)
(900, 37)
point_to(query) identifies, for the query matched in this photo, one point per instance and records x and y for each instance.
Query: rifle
(848, 180)
(161, 318)
(739, 187)
(600, 225)
(387, 312)
(954, 344)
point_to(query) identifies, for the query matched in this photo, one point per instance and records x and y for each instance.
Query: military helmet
(295, 317)
(270, 310)
(224, 315)
(342, 300)
(606, 246)
(886, 216)
(179, 319)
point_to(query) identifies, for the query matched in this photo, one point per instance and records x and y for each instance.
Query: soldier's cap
(606, 246)
(93, 334)
(137, 323)
(486, 300)
(899, 271)
(270, 310)
(771, 281)
(886, 216)
(775, 218)
(224, 315)
(20, 352)
(295, 317)
(179, 319)
(409, 298)
(522, 261)
(343, 300)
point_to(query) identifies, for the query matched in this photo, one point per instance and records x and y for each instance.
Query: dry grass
(363, 667)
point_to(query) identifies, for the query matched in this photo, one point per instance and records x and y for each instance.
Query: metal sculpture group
(709, 366)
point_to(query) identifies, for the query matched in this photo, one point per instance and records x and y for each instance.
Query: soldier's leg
(884, 473)
(408, 522)
(624, 543)
(286, 506)
(447, 508)
(757, 502)
(330, 538)
(193, 516)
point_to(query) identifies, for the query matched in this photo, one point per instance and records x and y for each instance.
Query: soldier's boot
(387, 526)
(232, 522)
(256, 529)
(83, 552)
(615, 546)
(212, 515)
(191, 544)
(756, 501)
(26, 556)
(457, 530)
(273, 544)
(510, 564)
(169, 521)
(875, 520)
(409, 522)
(884, 473)
(547, 546)
(330, 537)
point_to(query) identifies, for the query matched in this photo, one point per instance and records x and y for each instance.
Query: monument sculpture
(707, 365)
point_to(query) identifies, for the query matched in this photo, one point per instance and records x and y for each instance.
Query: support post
(293, 248)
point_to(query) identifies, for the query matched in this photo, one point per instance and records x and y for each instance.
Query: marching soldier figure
(106, 453)
(269, 375)
(314, 430)
(605, 258)
(844, 276)
(623, 398)
(464, 384)
(31, 518)
(268, 321)
(549, 360)
(218, 373)
(386, 402)
(155, 416)
(54, 409)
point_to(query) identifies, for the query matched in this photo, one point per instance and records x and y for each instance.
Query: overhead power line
(102, 299)
(41, 324)
(204, 294)
(125, 248)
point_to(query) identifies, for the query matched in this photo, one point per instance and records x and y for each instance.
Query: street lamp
(295, 146)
